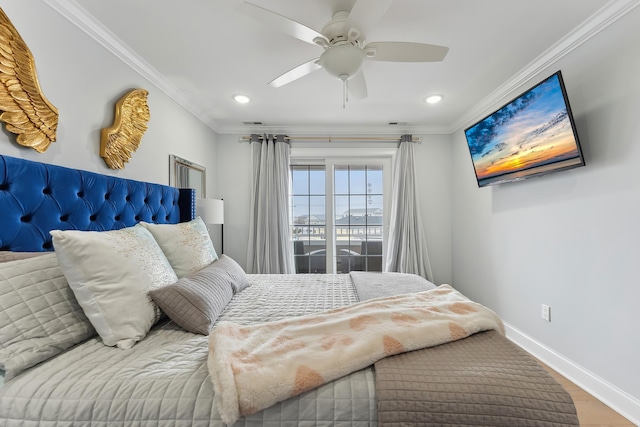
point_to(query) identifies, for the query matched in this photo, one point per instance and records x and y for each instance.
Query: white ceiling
(202, 52)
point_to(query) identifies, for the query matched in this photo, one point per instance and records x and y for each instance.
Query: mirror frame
(176, 180)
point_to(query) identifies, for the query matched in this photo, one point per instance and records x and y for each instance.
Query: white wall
(84, 81)
(569, 240)
(433, 156)
(433, 176)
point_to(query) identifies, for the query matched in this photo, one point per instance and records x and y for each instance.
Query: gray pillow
(39, 314)
(195, 302)
(238, 277)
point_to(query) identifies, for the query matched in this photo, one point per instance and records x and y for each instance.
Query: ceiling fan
(344, 44)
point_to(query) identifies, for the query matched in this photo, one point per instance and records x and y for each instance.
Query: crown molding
(79, 17)
(600, 20)
(342, 130)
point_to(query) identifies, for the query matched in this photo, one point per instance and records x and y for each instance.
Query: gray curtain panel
(407, 246)
(270, 250)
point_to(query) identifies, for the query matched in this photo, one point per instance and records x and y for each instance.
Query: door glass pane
(317, 210)
(300, 208)
(357, 209)
(300, 179)
(357, 180)
(341, 180)
(316, 180)
(341, 207)
(374, 180)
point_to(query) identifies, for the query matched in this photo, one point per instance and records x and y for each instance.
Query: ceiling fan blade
(296, 73)
(405, 52)
(282, 23)
(357, 86)
(365, 14)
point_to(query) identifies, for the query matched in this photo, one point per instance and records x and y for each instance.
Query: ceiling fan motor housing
(334, 30)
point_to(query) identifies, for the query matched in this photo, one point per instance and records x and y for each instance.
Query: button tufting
(26, 218)
(117, 218)
(93, 217)
(46, 190)
(80, 193)
(64, 218)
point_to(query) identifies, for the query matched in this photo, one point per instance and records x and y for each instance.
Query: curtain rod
(415, 139)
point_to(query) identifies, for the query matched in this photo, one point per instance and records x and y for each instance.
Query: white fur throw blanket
(255, 366)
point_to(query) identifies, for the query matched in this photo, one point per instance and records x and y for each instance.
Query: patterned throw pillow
(39, 315)
(111, 274)
(187, 245)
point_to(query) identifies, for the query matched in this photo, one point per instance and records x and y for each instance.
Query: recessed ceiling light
(241, 99)
(434, 99)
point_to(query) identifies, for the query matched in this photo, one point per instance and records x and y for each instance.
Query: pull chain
(344, 94)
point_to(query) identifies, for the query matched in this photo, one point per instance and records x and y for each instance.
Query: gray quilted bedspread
(482, 380)
(164, 381)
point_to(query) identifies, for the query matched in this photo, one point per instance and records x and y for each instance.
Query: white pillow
(111, 274)
(187, 245)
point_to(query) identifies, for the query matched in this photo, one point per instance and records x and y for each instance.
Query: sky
(532, 130)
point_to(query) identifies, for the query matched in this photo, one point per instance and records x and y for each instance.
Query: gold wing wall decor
(118, 142)
(25, 110)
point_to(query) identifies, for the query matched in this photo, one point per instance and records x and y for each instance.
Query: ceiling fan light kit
(342, 61)
(343, 41)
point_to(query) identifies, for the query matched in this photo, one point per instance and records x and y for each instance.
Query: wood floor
(591, 412)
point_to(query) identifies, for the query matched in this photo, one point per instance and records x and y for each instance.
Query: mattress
(164, 381)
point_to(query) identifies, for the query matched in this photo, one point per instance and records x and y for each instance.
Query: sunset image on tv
(531, 135)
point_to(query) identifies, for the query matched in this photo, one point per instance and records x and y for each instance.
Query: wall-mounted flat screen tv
(530, 136)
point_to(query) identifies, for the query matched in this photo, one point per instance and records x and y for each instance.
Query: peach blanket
(255, 366)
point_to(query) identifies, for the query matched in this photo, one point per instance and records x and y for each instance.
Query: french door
(338, 215)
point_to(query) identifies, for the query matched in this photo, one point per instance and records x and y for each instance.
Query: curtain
(270, 248)
(407, 247)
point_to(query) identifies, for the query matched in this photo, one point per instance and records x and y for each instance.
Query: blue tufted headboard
(36, 198)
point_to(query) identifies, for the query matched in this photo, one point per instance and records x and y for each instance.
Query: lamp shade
(210, 210)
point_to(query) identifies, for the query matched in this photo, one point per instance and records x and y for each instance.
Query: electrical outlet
(546, 312)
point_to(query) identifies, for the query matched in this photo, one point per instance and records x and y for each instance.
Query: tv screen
(530, 136)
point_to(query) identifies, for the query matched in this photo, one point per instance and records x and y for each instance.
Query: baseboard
(618, 400)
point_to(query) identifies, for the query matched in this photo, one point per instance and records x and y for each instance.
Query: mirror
(186, 174)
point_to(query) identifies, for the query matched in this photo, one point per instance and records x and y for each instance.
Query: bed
(61, 373)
